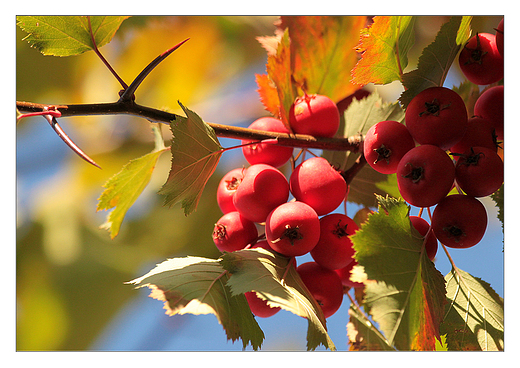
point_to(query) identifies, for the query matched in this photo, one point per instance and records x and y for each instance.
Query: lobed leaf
(198, 285)
(123, 189)
(313, 54)
(274, 279)
(363, 335)
(384, 46)
(436, 59)
(404, 292)
(195, 154)
(68, 35)
(474, 317)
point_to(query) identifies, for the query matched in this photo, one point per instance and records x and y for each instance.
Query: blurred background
(70, 276)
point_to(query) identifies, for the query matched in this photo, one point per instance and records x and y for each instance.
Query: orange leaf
(268, 94)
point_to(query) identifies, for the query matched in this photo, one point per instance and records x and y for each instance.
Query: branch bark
(129, 107)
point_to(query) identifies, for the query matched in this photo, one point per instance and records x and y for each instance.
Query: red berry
(316, 115)
(422, 226)
(259, 306)
(437, 116)
(226, 189)
(425, 175)
(292, 229)
(459, 221)
(270, 154)
(480, 132)
(334, 249)
(324, 285)
(480, 61)
(479, 172)
(490, 106)
(385, 144)
(318, 184)
(499, 37)
(262, 189)
(233, 232)
(345, 273)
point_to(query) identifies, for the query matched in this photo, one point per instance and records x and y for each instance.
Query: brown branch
(129, 107)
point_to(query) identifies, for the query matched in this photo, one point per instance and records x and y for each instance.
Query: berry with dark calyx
(490, 106)
(430, 242)
(262, 153)
(385, 144)
(334, 249)
(480, 61)
(479, 172)
(318, 184)
(227, 188)
(425, 175)
(262, 189)
(316, 115)
(324, 285)
(480, 132)
(292, 229)
(259, 306)
(437, 116)
(459, 221)
(234, 232)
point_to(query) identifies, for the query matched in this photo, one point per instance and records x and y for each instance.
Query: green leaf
(123, 189)
(498, 197)
(356, 121)
(68, 35)
(384, 46)
(197, 285)
(263, 272)
(474, 315)
(195, 154)
(404, 292)
(436, 58)
(363, 335)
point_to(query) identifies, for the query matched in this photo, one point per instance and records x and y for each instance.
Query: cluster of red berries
(259, 211)
(440, 148)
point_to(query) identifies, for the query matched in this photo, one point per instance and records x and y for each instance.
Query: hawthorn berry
(490, 106)
(262, 153)
(233, 232)
(334, 249)
(480, 61)
(430, 242)
(316, 115)
(345, 273)
(459, 221)
(316, 182)
(479, 171)
(425, 175)
(499, 37)
(259, 306)
(480, 132)
(226, 189)
(385, 144)
(437, 116)
(292, 229)
(324, 285)
(262, 189)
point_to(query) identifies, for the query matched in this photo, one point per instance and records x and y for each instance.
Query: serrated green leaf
(123, 189)
(363, 335)
(404, 292)
(197, 285)
(68, 35)
(195, 154)
(384, 46)
(474, 315)
(498, 197)
(261, 271)
(436, 58)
